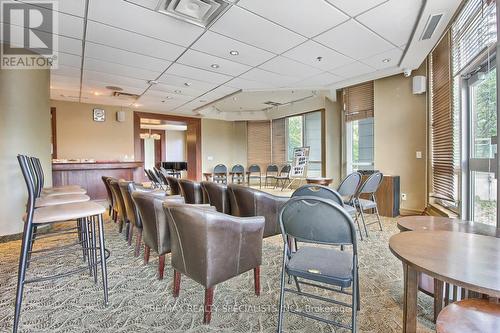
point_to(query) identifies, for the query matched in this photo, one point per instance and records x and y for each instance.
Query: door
(482, 147)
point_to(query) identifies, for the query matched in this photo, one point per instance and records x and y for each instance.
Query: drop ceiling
(255, 45)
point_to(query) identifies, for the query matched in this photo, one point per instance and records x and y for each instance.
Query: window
(306, 131)
(358, 114)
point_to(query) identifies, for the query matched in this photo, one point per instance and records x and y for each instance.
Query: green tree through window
(294, 134)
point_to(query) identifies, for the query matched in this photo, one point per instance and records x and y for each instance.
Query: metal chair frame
(254, 168)
(371, 193)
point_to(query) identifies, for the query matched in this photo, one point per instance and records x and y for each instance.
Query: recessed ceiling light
(177, 91)
(96, 93)
(319, 58)
(214, 66)
(187, 84)
(386, 60)
(234, 52)
(152, 82)
(170, 97)
(136, 104)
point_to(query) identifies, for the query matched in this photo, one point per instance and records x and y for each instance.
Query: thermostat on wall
(99, 115)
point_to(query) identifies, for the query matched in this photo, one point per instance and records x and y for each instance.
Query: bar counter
(88, 175)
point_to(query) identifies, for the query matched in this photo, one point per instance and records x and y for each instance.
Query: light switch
(210, 158)
(419, 154)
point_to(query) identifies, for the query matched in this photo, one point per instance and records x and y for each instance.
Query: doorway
(192, 141)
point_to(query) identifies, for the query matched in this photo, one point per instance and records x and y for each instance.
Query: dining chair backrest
(350, 184)
(320, 191)
(317, 220)
(238, 168)
(220, 168)
(254, 168)
(272, 168)
(285, 170)
(371, 184)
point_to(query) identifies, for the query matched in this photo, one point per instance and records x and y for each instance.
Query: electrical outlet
(419, 154)
(403, 196)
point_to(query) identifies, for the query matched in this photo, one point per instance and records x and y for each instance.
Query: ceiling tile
(377, 61)
(309, 52)
(217, 93)
(352, 70)
(70, 45)
(395, 13)
(64, 82)
(130, 41)
(66, 71)
(196, 74)
(249, 28)
(180, 82)
(115, 80)
(353, 7)
(305, 17)
(220, 46)
(205, 61)
(321, 80)
(286, 66)
(170, 90)
(143, 21)
(354, 40)
(118, 56)
(118, 69)
(267, 77)
(71, 60)
(240, 83)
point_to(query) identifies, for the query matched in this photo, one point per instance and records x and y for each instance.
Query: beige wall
(223, 142)
(400, 131)
(24, 129)
(176, 146)
(79, 136)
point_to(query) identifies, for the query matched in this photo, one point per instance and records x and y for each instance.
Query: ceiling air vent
(199, 12)
(271, 103)
(431, 26)
(124, 95)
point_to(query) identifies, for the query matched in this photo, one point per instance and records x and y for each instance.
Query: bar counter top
(99, 165)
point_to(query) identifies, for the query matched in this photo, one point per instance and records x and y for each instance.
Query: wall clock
(99, 115)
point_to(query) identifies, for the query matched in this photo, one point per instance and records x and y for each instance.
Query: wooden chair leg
(177, 283)
(138, 242)
(146, 253)
(207, 310)
(161, 266)
(256, 280)
(130, 233)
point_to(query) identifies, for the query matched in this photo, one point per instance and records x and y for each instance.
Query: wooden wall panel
(259, 143)
(278, 141)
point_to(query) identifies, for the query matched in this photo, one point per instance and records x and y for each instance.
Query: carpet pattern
(139, 302)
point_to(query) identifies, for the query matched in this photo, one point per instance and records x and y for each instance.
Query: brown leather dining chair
(247, 201)
(211, 247)
(216, 195)
(191, 191)
(119, 205)
(173, 184)
(155, 230)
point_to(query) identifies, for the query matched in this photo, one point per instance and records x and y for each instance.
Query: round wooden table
(462, 259)
(414, 223)
(319, 181)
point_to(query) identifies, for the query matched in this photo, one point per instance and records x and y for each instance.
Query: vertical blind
(279, 141)
(444, 182)
(358, 101)
(472, 32)
(259, 143)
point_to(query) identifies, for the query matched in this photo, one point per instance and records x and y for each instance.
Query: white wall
(24, 129)
(176, 146)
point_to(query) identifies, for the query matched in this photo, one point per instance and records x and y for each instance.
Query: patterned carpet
(139, 302)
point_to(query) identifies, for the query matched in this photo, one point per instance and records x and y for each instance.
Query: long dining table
(456, 252)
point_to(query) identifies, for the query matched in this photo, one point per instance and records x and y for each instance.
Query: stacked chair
(48, 206)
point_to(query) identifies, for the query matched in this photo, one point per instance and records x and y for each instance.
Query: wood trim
(193, 140)
(323, 143)
(53, 120)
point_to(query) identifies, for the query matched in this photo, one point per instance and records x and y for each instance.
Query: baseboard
(410, 212)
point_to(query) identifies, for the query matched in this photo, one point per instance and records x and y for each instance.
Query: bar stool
(471, 316)
(85, 213)
(37, 171)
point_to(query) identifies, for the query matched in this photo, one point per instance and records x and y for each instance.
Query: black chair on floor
(368, 188)
(319, 221)
(254, 173)
(220, 174)
(238, 174)
(272, 171)
(89, 225)
(283, 177)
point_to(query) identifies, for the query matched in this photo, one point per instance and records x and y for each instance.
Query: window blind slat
(358, 101)
(259, 143)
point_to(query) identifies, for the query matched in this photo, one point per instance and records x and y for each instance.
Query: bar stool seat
(61, 188)
(471, 316)
(60, 200)
(66, 212)
(63, 191)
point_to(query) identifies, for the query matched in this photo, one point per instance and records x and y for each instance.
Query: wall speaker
(419, 84)
(120, 116)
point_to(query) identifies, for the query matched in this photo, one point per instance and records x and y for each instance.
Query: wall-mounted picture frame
(99, 115)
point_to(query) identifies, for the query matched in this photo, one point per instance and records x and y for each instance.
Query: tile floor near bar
(139, 302)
